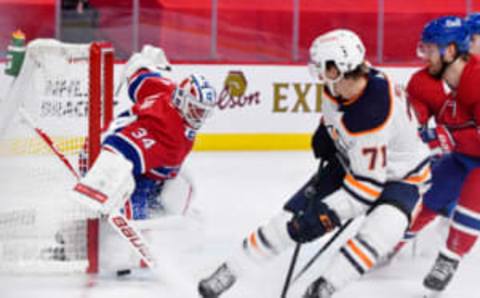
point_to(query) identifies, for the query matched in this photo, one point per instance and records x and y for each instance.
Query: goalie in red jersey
(146, 145)
(446, 90)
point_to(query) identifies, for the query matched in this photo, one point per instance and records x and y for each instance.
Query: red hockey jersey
(456, 110)
(158, 140)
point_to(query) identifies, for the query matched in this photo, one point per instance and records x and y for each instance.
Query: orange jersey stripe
(424, 176)
(366, 260)
(354, 182)
(253, 241)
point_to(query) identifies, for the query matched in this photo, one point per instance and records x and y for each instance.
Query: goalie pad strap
(90, 192)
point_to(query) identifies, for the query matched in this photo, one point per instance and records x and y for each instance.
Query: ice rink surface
(235, 192)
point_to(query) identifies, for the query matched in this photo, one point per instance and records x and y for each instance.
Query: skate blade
(432, 294)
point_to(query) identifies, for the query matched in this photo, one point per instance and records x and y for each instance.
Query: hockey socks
(465, 225)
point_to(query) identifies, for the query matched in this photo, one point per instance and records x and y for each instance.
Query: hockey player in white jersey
(377, 165)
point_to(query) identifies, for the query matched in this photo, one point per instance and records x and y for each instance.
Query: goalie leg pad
(108, 183)
(114, 252)
(178, 194)
(154, 198)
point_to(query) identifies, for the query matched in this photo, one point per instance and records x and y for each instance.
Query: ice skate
(441, 273)
(320, 288)
(385, 260)
(217, 283)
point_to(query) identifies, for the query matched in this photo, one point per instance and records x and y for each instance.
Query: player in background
(428, 101)
(443, 91)
(473, 24)
(376, 163)
(147, 145)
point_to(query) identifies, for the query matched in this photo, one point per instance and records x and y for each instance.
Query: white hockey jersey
(376, 134)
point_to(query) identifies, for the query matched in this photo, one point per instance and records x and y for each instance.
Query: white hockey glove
(107, 185)
(151, 58)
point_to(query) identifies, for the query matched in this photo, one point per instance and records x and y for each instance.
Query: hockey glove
(317, 220)
(151, 58)
(327, 180)
(439, 139)
(107, 185)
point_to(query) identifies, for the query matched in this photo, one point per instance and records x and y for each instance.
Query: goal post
(67, 89)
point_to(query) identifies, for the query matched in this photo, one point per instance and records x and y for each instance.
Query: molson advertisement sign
(264, 107)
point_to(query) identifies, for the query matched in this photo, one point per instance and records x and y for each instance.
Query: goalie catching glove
(151, 58)
(107, 185)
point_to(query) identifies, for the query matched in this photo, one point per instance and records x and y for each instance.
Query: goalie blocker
(107, 185)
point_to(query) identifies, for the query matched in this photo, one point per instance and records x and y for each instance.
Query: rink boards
(260, 107)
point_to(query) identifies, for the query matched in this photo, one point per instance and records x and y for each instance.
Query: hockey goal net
(66, 91)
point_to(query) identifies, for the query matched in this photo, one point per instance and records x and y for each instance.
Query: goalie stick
(117, 220)
(31, 123)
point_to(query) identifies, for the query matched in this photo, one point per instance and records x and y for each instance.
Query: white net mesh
(40, 229)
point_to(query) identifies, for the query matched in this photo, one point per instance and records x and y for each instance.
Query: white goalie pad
(114, 253)
(176, 198)
(107, 185)
(177, 194)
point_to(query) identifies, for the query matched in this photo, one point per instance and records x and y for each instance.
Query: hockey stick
(322, 250)
(291, 268)
(296, 252)
(31, 123)
(117, 220)
(342, 161)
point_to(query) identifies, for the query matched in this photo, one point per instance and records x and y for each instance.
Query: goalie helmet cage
(67, 89)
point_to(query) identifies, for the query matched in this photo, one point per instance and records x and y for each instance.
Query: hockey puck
(123, 272)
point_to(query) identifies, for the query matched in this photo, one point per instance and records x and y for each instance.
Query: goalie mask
(341, 47)
(196, 99)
